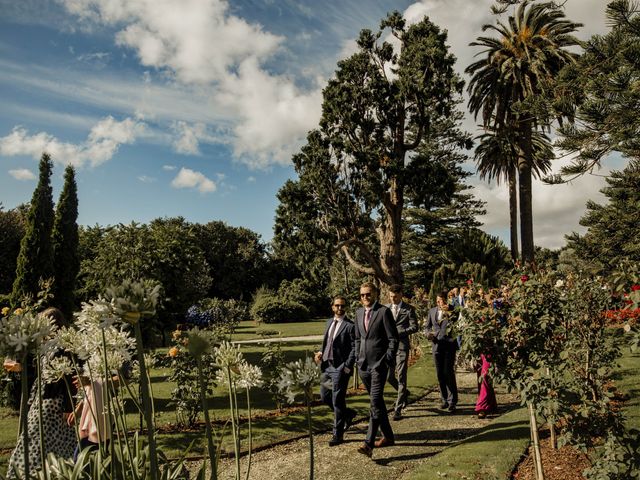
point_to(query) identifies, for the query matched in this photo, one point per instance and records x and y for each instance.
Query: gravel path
(424, 431)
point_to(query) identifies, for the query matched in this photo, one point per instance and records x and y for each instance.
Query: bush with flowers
(549, 341)
(186, 395)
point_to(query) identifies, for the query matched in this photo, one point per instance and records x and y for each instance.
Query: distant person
(376, 345)
(444, 351)
(336, 360)
(406, 324)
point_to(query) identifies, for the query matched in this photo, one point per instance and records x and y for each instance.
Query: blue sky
(194, 107)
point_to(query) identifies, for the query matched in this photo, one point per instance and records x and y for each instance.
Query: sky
(194, 108)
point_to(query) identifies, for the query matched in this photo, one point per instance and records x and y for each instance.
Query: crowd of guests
(378, 341)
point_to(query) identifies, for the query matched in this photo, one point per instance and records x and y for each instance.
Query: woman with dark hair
(58, 437)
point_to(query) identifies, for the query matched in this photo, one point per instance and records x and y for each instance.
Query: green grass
(249, 330)
(627, 379)
(490, 454)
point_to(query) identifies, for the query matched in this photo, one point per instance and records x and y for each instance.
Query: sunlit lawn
(249, 330)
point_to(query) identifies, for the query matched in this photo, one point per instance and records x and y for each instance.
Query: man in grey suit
(444, 351)
(376, 344)
(406, 323)
(336, 361)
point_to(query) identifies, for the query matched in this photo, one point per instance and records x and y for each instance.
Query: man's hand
(317, 357)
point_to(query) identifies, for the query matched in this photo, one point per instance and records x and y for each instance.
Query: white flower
(559, 283)
(250, 376)
(24, 332)
(228, 356)
(132, 300)
(298, 377)
(56, 368)
(627, 327)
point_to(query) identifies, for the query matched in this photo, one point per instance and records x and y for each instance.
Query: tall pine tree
(65, 245)
(35, 261)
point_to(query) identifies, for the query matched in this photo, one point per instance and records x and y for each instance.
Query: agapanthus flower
(25, 332)
(133, 300)
(56, 368)
(298, 377)
(250, 376)
(198, 342)
(228, 355)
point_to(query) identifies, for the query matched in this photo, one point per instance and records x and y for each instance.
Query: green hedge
(269, 307)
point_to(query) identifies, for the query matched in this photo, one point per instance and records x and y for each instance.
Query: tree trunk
(526, 198)
(390, 236)
(536, 443)
(513, 213)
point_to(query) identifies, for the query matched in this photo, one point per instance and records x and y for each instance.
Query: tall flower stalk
(301, 377)
(198, 345)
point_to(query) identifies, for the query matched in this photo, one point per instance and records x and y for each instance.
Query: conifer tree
(65, 244)
(35, 261)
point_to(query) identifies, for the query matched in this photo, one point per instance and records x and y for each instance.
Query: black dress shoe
(444, 405)
(397, 415)
(365, 449)
(451, 409)
(348, 420)
(335, 441)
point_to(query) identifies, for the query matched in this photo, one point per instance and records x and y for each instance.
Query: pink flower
(524, 278)
(635, 288)
(470, 281)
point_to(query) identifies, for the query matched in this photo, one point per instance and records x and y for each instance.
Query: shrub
(223, 316)
(269, 307)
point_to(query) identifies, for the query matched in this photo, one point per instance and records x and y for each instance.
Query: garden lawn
(627, 378)
(250, 330)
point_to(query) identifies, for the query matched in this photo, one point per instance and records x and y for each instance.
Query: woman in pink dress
(486, 402)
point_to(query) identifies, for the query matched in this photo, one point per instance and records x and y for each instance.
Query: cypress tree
(35, 260)
(66, 262)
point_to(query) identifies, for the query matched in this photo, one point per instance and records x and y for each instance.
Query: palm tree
(510, 83)
(497, 159)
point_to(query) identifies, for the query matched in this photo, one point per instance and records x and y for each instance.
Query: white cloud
(22, 174)
(188, 178)
(203, 45)
(557, 209)
(146, 179)
(169, 167)
(101, 145)
(251, 179)
(188, 137)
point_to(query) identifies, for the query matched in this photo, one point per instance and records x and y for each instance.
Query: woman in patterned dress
(59, 438)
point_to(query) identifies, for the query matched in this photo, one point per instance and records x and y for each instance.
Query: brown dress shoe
(365, 449)
(385, 442)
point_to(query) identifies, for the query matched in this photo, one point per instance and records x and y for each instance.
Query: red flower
(635, 288)
(524, 278)
(470, 281)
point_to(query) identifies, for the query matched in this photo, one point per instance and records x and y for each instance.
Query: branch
(374, 269)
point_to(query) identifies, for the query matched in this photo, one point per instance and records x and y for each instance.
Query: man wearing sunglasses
(376, 345)
(336, 363)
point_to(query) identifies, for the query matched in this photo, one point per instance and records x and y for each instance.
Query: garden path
(423, 432)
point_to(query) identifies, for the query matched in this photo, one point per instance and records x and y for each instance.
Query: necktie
(328, 349)
(367, 317)
(394, 310)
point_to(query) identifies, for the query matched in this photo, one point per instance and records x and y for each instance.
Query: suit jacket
(406, 324)
(379, 344)
(442, 341)
(344, 352)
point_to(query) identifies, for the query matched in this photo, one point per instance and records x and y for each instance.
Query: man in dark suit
(376, 345)
(336, 361)
(444, 351)
(406, 323)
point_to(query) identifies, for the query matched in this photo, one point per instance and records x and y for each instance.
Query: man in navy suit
(406, 323)
(444, 351)
(376, 345)
(336, 361)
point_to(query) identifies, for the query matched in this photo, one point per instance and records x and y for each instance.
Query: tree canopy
(358, 170)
